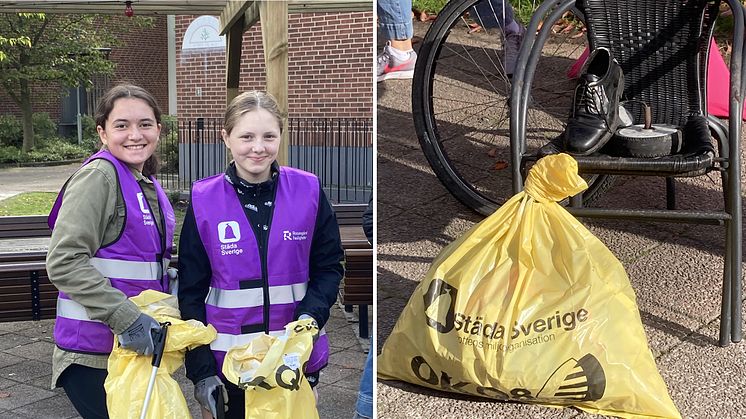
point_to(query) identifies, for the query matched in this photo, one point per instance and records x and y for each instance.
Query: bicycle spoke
(457, 123)
(442, 80)
(481, 70)
(463, 119)
(469, 106)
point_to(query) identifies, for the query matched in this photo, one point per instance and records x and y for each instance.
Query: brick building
(330, 62)
(330, 67)
(330, 91)
(147, 67)
(181, 60)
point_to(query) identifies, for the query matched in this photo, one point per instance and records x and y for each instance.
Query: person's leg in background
(395, 23)
(499, 14)
(364, 405)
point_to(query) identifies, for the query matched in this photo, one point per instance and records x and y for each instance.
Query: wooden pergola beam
(148, 7)
(234, 41)
(274, 17)
(251, 17)
(233, 11)
(239, 16)
(293, 6)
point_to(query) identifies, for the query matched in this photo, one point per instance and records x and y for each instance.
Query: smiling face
(254, 142)
(131, 131)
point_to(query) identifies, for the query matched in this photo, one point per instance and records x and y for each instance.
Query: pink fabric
(718, 83)
(574, 71)
(718, 80)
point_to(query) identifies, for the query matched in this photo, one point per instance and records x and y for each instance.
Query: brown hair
(106, 104)
(247, 102)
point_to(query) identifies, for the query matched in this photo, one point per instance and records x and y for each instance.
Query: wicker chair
(662, 47)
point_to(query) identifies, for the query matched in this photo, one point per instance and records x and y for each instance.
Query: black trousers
(237, 397)
(84, 387)
(236, 401)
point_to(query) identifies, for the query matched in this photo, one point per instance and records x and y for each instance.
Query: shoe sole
(396, 75)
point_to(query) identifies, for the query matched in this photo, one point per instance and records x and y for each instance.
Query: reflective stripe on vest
(69, 309)
(254, 297)
(132, 270)
(226, 341)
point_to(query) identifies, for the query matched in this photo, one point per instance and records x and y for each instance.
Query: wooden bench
(349, 214)
(25, 290)
(26, 226)
(27, 294)
(357, 286)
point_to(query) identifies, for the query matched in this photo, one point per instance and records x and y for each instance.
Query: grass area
(522, 9)
(28, 203)
(40, 203)
(430, 6)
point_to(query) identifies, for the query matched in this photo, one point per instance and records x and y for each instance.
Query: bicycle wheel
(460, 100)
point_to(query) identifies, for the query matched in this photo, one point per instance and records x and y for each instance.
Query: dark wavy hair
(106, 104)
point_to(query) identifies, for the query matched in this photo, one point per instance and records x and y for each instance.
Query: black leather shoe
(595, 113)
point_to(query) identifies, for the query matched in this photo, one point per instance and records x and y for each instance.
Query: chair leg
(576, 201)
(725, 306)
(670, 193)
(735, 269)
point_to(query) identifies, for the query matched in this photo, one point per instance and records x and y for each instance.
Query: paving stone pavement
(675, 270)
(26, 369)
(26, 347)
(15, 180)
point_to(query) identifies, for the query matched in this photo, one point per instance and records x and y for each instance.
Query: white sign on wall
(202, 33)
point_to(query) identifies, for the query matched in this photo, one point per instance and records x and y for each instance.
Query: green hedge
(49, 147)
(47, 150)
(11, 131)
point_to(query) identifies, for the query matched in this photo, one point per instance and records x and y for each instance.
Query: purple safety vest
(135, 262)
(247, 298)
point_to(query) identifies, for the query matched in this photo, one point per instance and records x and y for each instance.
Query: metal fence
(339, 151)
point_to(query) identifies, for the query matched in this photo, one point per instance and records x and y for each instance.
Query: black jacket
(326, 266)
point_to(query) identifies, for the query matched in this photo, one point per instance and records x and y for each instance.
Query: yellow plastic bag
(270, 369)
(529, 306)
(129, 373)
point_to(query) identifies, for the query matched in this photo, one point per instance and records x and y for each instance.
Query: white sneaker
(391, 67)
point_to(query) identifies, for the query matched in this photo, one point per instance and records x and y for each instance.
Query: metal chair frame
(727, 162)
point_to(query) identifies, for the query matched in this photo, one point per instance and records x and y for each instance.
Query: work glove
(204, 392)
(139, 336)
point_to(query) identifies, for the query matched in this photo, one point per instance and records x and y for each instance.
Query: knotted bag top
(554, 178)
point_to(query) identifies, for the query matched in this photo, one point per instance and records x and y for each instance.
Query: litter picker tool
(159, 344)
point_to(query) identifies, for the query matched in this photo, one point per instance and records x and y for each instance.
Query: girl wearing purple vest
(260, 247)
(112, 233)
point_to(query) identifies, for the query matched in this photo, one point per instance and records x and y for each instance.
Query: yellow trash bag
(270, 370)
(529, 306)
(129, 373)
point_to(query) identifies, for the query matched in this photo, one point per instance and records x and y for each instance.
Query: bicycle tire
(467, 144)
